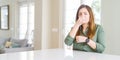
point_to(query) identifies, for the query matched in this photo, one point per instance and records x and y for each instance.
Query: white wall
(46, 8)
(54, 29)
(8, 33)
(111, 23)
(4, 33)
(38, 25)
(46, 24)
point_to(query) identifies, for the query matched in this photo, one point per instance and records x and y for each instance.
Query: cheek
(87, 18)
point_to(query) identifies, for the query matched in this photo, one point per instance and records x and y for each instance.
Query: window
(26, 21)
(23, 21)
(71, 7)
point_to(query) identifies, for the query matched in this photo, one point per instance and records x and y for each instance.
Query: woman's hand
(81, 20)
(80, 39)
(75, 28)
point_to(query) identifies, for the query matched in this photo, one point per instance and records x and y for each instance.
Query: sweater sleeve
(69, 40)
(100, 43)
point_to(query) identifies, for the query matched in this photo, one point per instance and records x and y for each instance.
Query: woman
(85, 35)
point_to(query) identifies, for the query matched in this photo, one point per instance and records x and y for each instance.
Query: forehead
(83, 10)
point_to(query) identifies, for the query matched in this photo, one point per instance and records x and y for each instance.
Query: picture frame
(4, 17)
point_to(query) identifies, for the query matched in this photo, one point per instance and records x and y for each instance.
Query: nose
(83, 16)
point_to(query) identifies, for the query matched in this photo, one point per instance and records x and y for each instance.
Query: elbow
(67, 42)
(100, 49)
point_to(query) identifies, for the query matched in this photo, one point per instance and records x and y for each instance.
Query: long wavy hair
(91, 23)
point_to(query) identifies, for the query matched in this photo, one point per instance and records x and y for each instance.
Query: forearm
(70, 38)
(74, 30)
(92, 44)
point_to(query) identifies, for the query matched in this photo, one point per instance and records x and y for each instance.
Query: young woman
(85, 35)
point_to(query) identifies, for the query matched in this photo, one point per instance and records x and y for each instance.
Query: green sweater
(98, 39)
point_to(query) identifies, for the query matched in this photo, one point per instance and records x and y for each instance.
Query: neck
(85, 26)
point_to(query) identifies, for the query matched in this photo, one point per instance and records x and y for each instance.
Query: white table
(57, 54)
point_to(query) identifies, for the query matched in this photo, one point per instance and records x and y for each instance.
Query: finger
(77, 40)
(80, 20)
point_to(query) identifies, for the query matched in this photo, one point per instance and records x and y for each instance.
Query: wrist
(78, 24)
(87, 40)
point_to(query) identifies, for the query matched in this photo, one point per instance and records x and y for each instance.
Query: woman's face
(84, 15)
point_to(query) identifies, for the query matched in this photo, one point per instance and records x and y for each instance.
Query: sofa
(14, 45)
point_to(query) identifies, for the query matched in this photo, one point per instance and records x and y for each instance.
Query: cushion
(19, 42)
(8, 44)
(15, 45)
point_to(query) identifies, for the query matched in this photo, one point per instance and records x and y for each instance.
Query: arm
(99, 45)
(69, 40)
(92, 44)
(70, 37)
(76, 27)
(74, 30)
(81, 39)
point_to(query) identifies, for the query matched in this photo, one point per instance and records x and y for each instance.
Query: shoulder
(99, 27)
